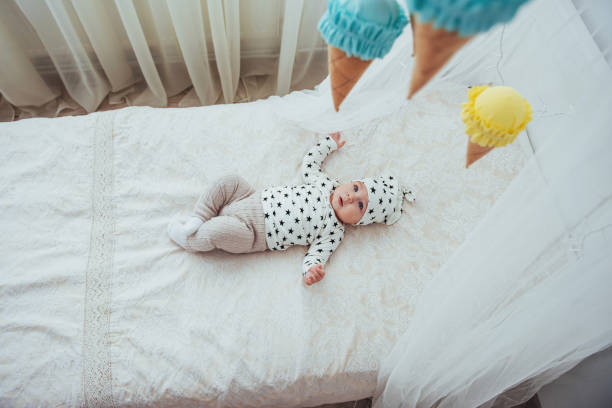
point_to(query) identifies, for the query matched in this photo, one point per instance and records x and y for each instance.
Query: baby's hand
(315, 273)
(336, 136)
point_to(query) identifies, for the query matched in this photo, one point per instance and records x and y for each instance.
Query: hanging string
(501, 55)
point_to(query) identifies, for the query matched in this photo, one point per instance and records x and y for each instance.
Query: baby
(232, 216)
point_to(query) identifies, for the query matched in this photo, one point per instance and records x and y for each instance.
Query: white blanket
(99, 307)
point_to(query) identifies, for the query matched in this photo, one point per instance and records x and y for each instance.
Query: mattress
(99, 308)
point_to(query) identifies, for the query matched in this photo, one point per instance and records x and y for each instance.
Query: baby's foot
(192, 224)
(409, 194)
(179, 231)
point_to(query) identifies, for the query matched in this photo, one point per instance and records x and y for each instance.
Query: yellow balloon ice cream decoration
(493, 117)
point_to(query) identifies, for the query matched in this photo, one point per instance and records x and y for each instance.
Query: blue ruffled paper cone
(357, 31)
(441, 27)
(433, 47)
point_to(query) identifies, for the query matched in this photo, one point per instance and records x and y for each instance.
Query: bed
(99, 308)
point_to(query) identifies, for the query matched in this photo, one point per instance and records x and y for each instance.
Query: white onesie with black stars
(302, 214)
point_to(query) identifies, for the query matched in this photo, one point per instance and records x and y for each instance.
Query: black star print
(321, 218)
(319, 250)
(331, 233)
(389, 201)
(371, 210)
(301, 210)
(332, 241)
(284, 239)
(265, 198)
(306, 175)
(286, 195)
(281, 222)
(273, 212)
(288, 212)
(297, 194)
(276, 230)
(269, 234)
(384, 209)
(290, 230)
(316, 227)
(299, 237)
(309, 192)
(319, 199)
(310, 154)
(309, 165)
(373, 190)
(308, 218)
(278, 204)
(292, 202)
(376, 181)
(335, 224)
(297, 220)
(380, 201)
(390, 177)
(308, 236)
(266, 215)
(318, 237)
(272, 196)
(323, 184)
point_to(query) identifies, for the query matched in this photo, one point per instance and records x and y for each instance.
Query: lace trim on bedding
(97, 370)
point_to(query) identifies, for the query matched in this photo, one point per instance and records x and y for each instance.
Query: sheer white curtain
(527, 296)
(61, 54)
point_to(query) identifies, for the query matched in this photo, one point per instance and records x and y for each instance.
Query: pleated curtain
(59, 54)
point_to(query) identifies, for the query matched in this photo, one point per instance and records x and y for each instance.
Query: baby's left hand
(336, 136)
(315, 273)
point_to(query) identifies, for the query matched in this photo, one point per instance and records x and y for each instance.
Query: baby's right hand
(336, 136)
(315, 273)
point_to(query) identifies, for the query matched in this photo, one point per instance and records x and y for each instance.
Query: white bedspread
(99, 308)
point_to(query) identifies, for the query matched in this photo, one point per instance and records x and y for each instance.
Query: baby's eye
(355, 188)
(360, 205)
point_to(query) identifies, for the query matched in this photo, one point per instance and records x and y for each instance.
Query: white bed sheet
(99, 308)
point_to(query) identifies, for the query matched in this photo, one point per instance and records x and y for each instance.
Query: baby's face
(350, 201)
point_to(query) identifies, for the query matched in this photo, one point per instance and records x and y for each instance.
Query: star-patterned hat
(385, 196)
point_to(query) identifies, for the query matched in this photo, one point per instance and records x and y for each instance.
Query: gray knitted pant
(233, 218)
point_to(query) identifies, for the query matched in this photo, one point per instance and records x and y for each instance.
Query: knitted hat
(385, 196)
